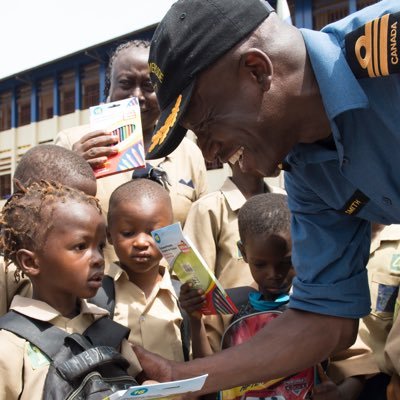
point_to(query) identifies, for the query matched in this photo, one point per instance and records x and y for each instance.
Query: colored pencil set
(123, 132)
(122, 119)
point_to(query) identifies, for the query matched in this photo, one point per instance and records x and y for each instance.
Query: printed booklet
(160, 390)
(189, 266)
(120, 118)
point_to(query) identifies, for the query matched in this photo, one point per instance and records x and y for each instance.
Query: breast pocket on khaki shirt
(384, 291)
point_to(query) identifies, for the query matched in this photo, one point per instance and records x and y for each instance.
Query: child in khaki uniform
(145, 300)
(55, 235)
(264, 228)
(47, 162)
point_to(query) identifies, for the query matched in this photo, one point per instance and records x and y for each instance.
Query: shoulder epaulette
(372, 50)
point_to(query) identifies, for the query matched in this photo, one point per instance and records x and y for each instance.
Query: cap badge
(161, 134)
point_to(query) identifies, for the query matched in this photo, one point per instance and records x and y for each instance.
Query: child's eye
(127, 233)
(80, 247)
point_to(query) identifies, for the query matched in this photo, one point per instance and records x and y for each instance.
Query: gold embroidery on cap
(161, 134)
(155, 69)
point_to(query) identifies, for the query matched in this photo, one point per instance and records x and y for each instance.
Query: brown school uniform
(23, 368)
(9, 287)
(366, 356)
(154, 321)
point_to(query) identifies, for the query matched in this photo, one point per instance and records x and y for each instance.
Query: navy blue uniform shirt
(336, 187)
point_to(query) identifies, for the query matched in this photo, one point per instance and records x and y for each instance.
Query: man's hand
(95, 147)
(154, 366)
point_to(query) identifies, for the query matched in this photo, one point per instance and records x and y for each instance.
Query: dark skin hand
(95, 147)
(273, 352)
(349, 389)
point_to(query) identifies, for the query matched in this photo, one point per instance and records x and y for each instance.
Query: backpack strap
(48, 338)
(106, 332)
(185, 326)
(45, 336)
(105, 296)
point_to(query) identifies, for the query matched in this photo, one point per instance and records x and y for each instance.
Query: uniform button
(387, 201)
(142, 318)
(345, 160)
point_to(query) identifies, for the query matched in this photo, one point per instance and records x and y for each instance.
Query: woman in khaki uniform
(128, 75)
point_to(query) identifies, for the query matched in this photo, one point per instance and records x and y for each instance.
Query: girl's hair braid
(26, 218)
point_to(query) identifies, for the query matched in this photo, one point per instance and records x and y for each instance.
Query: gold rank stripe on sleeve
(372, 50)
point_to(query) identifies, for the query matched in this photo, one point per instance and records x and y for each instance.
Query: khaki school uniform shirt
(213, 228)
(9, 287)
(23, 368)
(185, 168)
(154, 321)
(366, 356)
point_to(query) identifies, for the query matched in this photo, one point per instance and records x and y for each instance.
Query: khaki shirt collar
(390, 233)
(234, 196)
(44, 312)
(117, 273)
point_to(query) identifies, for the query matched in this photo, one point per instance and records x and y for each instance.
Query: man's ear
(242, 250)
(259, 65)
(26, 260)
(109, 238)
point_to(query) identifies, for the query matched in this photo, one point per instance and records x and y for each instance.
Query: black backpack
(105, 298)
(82, 367)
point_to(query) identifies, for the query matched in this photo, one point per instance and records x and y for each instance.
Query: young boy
(47, 162)
(145, 300)
(264, 229)
(55, 235)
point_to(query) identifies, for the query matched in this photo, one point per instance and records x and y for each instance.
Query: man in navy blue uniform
(325, 106)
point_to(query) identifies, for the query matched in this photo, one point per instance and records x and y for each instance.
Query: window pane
(90, 85)
(364, 3)
(45, 98)
(327, 11)
(5, 111)
(67, 92)
(5, 186)
(24, 105)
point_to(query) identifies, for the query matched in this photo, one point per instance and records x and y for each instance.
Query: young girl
(55, 235)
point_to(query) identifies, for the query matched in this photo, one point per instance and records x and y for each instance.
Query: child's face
(71, 262)
(269, 258)
(130, 233)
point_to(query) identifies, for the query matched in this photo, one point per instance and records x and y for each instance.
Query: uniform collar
(340, 92)
(234, 196)
(328, 62)
(117, 273)
(44, 312)
(390, 233)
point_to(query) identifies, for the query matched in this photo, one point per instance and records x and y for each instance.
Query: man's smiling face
(233, 117)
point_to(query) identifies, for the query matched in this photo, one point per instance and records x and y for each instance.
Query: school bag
(245, 325)
(105, 298)
(82, 366)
